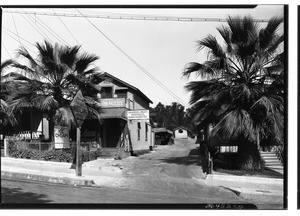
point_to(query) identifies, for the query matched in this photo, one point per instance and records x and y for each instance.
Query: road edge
(49, 179)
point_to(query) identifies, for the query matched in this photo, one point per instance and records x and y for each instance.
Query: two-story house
(124, 118)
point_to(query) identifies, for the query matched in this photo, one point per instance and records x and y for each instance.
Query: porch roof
(162, 130)
(113, 113)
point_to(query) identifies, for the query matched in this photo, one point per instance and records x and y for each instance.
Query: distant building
(162, 136)
(181, 132)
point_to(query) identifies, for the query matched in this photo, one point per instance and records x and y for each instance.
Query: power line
(35, 23)
(66, 28)
(135, 17)
(54, 34)
(6, 50)
(38, 31)
(138, 65)
(17, 39)
(16, 28)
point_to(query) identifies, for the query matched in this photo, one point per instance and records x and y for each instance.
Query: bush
(63, 155)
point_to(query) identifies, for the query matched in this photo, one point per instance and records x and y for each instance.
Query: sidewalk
(60, 172)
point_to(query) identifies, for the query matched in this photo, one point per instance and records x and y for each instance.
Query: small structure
(181, 132)
(162, 136)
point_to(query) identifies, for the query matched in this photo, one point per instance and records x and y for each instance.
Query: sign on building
(61, 137)
(112, 102)
(138, 114)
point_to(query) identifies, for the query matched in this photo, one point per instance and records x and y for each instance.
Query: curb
(244, 179)
(41, 178)
(10, 160)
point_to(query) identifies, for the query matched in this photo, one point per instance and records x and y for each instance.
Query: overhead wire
(133, 17)
(16, 28)
(20, 38)
(6, 50)
(38, 31)
(137, 64)
(67, 28)
(54, 34)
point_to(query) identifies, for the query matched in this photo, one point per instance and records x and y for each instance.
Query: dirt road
(172, 170)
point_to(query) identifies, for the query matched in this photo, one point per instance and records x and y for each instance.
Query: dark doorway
(113, 130)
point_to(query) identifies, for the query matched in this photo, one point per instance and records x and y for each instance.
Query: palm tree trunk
(258, 140)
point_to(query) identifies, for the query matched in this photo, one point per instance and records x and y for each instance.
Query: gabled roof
(105, 74)
(161, 130)
(181, 127)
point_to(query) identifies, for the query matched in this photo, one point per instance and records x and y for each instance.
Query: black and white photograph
(144, 106)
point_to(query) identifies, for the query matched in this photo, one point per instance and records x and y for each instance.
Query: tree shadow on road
(194, 158)
(16, 195)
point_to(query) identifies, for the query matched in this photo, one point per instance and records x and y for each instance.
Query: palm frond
(15, 76)
(64, 117)
(201, 70)
(84, 61)
(68, 55)
(44, 102)
(266, 35)
(22, 51)
(20, 103)
(6, 115)
(213, 46)
(226, 34)
(273, 46)
(243, 30)
(6, 64)
(47, 56)
(204, 89)
(234, 124)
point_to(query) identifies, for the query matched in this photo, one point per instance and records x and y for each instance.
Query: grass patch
(229, 164)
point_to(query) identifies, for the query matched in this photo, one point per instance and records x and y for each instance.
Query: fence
(41, 146)
(22, 144)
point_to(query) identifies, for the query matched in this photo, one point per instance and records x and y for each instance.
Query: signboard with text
(112, 102)
(79, 108)
(138, 114)
(61, 137)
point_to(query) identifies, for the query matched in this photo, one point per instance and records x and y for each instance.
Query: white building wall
(182, 135)
(139, 142)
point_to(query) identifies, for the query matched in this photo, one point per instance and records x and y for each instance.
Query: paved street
(170, 174)
(24, 191)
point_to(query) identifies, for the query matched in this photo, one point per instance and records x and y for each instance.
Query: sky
(161, 48)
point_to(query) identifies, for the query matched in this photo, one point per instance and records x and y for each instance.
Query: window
(228, 149)
(180, 131)
(121, 93)
(106, 92)
(139, 130)
(146, 131)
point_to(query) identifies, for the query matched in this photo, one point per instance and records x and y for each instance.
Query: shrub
(63, 155)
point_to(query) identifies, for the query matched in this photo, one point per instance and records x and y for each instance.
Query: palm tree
(49, 82)
(241, 91)
(6, 116)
